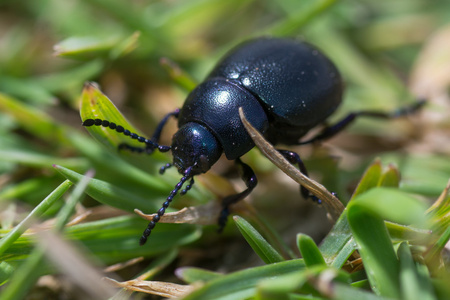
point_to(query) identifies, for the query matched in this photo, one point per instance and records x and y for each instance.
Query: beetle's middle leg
(149, 148)
(294, 158)
(332, 130)
(249, 177)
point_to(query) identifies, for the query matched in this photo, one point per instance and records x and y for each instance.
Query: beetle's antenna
(150, 145)
(165, 205)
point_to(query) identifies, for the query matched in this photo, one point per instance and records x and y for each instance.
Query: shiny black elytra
(285, 87)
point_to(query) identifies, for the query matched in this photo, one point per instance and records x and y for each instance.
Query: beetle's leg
(124, 146)
(294, 158)
(249, 177)
(155, 137)
(163, 169)
(188, 187)
(159, 128)
(332, 130)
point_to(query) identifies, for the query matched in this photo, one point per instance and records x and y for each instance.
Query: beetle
(286, 87)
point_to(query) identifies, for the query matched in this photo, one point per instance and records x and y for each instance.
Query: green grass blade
(316, 280)
(6, 271)
(178, 75)
(366, 215)
(292, 24)
(110, 194)
(70, 79)
(394, 205)
(90, 47)
(112, 167)
(37, 212)
(433, 255)
(28, 273)
(116, 239)
(283, 286)
(346, 292)
(370, 179)
(404, 232)
(258, 243)
(35, 159)
(24, 277)
(413, 286)
(25, 89)
(33, 120)
(95, 105)
(243, 284)
(67, 210)
(339, 244)
(376, 251)
(390, 177)
(309, 250)
(191, 274)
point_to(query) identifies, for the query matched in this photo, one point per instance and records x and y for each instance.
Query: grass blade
(32, 269)
(264, 250)
(309, 250)
(243, 284)
(413, 285)
(14, 234)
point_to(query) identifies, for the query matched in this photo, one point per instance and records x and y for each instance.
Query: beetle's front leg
(249, 177)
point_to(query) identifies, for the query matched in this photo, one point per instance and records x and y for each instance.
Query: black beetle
(285, 87)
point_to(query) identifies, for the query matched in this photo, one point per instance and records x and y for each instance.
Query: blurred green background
(390, 53)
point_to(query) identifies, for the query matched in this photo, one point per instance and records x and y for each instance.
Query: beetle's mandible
(285, 87)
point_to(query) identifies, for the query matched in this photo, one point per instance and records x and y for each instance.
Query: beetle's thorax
(215, 104)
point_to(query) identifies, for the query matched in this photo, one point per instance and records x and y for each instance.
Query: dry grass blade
(123, 265)
(332, 204)
(202, 215)
(163, 289)
(71, 262)
(441, 199)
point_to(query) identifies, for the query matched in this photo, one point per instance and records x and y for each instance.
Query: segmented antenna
(148, 143)
(165, 205)
(149, 147)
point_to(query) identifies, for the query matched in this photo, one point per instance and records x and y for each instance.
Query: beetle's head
(195, 146)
